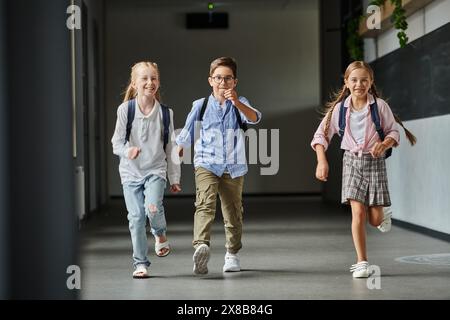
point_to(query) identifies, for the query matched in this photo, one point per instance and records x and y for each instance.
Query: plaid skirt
(364, 179)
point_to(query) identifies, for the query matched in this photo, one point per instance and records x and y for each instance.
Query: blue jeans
(144, 199)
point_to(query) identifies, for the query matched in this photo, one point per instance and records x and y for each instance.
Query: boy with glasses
(219, 161)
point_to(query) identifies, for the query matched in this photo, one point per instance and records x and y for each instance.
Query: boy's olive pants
(230, 192)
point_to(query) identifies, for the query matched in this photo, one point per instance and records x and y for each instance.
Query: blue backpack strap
(130, 118)
(166, 123)
(376, 120)
(342, 114)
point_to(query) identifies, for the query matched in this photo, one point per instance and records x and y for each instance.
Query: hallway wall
(90, 156)
(419, 176)
(277, 50)
(4, 180)
(42, 224)
(416, 86)
(331, 57)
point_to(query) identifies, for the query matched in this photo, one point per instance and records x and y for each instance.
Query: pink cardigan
(388, 123)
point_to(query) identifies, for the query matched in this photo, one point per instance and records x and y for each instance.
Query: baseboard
(429, 232)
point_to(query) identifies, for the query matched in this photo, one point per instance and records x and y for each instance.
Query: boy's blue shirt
(219, 145)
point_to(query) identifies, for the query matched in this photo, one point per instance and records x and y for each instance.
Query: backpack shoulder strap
(242, 125)
(374, 113)
(342, 114)
(166, 123)
(202, 110)
(130, 117)
(376, 119)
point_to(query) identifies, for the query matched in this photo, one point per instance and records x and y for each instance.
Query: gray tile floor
(294, 248)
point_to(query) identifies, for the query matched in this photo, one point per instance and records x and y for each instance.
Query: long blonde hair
(131, 93)
(337, 97)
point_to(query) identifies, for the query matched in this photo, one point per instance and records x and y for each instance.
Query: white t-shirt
(358, 124)
(146, 134)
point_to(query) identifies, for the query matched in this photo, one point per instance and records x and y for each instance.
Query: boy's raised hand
(322, 170)
(133, 152)
(231, 94)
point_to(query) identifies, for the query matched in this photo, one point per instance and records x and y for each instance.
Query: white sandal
(140, 272)
(162, 245)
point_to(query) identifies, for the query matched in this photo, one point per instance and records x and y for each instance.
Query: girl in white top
(144, 164)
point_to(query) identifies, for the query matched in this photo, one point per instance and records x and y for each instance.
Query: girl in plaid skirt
(364, 177)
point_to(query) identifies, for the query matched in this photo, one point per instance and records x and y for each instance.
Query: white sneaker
(360, 270)
(201, 258)
(232, 263)
(386, 224)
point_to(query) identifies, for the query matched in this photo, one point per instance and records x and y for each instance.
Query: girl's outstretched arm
(322, 163)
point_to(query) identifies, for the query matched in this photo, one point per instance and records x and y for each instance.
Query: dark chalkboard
(415, 80)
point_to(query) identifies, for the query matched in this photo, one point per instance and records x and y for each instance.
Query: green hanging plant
(354, 42)
(377, 2)
(398, 18)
